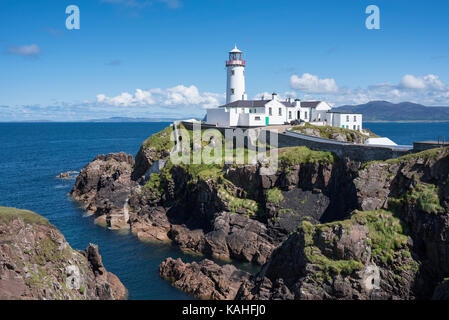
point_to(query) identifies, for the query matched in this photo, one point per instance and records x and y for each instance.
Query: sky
(166, 58)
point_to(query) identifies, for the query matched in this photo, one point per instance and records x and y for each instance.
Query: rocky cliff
(36, 262)
(322, 227)
(394, 247)
(223, 211)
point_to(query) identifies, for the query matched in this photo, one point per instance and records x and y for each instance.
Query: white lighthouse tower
(235, 67)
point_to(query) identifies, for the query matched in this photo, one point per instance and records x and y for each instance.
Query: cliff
(223, 211)
(322, 227)
(394, 247)
(36, 262)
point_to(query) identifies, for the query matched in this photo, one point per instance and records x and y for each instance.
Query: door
(267, 121)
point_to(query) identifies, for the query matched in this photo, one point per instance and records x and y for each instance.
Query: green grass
(425, 155)
(327, 132)
(386, 236)
(8, 214)
(424, 196)
(274, 195)
(298, 155)
(234, 203)
(160, 141)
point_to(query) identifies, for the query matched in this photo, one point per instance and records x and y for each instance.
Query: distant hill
(126, 119)
(404, 111)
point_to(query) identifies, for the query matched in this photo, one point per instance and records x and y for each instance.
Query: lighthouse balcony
(235, 63)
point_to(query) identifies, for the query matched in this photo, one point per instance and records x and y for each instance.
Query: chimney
(244, 96)
(297, 103)
(274, 96)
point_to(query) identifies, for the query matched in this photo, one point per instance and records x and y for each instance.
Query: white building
(240, 112)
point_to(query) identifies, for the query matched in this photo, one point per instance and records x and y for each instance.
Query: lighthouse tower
(235, 68)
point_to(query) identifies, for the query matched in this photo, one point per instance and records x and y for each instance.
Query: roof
(262, 103)
(343, 112)
(235, 50)
(287, 104)
(310, 104)
(247, 103)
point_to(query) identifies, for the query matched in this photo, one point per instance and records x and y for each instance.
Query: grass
(160, 141)
(386, 237)
(274, 195)
(328, 131)
(299, 155)
(235, 203)
(8, 214)
(424, 196)
(425, 155)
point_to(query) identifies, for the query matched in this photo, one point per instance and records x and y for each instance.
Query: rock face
(223, 212)
(374, 254)
(204, 280)
(324, 228)
(36, 262)
(103, 187)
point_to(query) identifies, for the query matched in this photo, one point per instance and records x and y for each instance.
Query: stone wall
(355, 152)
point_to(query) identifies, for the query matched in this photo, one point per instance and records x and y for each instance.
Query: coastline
(407, 121)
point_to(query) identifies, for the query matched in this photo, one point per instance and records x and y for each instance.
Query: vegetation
(274, 196)
(9, 214)
(298, 155)
(424, 155)
(386, 237)
(235, 203)
(160, 141)
(424, 196)
(329, 132)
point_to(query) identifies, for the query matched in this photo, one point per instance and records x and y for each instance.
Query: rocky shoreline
(37, 263)
(322, 227)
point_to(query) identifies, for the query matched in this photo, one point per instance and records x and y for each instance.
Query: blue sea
(32, 154)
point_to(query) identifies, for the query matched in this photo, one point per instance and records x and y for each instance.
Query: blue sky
(159, 58)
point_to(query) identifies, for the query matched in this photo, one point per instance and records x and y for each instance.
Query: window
(353, 127)
(355, 118)
(232, 72)
(347, 118)
(289, 114)
(232, 90)
(305, 115)
(242, 110)
(280, 111)
(256, 118)
(255, 111)
(270, 111)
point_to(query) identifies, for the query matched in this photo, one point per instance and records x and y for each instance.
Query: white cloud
(178, 96)
(309, 83)
(32, 50)
(430, 81)
(427, 90)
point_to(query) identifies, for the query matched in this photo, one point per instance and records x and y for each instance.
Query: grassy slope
(8, 214)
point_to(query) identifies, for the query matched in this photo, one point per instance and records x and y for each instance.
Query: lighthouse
(235, 68)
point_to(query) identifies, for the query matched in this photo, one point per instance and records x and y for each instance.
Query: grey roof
(310, 104)
(343, 112)
(287, 104)
(247, 103)
(261, 103)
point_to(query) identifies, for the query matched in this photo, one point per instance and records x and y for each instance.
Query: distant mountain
(404, 111)
(127, 119)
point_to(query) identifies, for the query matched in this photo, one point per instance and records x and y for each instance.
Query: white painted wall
(345, 120)
(236, 81)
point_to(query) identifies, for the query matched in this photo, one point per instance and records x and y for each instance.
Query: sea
(33, 154)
